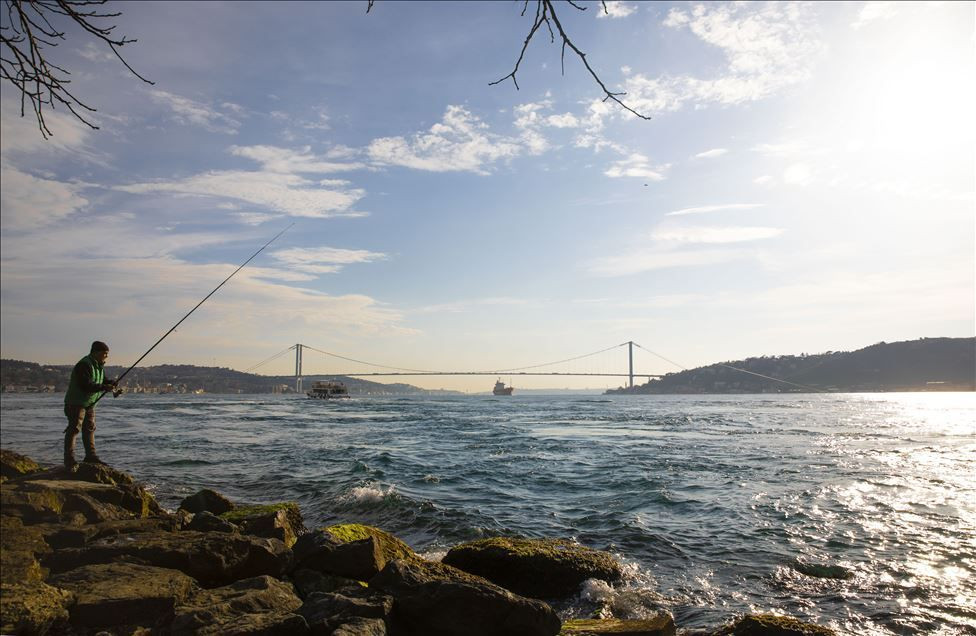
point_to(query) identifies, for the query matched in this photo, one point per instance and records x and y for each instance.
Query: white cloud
(28, 202)
(529, 120)
(190, 112)
(715, 208)
(874, 11)
(763, 180)
(767, 47)
(21, 134)
(566, 120)
(284, 193)
(285, 160)
(715, 234)
(254, 218)
(636, 165)
(459, 143)
(798, 174)
(95, 53)
(324, 260)
(616, 9)
(709, 154)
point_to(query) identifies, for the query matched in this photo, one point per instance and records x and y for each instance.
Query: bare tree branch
(27, 30)
(545, 13)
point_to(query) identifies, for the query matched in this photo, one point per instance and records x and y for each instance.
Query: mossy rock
(241, 513)
(391, 547)
(13, 465)
(32, 608)
(660, 625)
(538, 568)
(772, 625)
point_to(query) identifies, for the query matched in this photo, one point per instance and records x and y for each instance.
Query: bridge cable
(267, 360)
(372, 364)
(767, 377)
(547, 364)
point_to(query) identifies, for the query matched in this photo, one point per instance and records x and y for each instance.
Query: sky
(805, 184)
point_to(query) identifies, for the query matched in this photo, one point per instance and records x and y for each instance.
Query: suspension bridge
(581, 366)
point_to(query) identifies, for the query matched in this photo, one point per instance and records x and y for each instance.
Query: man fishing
(86, 387)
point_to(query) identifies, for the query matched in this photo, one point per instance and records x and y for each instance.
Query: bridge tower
(630, 350)
(298, 369)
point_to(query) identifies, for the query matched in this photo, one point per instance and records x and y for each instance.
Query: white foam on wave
(369, 493)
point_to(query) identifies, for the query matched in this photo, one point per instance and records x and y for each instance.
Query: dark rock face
(123, 593)
(325, 612)
(660, 625)
(207, 501)
(437, 599)
(13, 465)
(258, 605)
(212, 558)
(308, 582)
(208, 522)
(320, 551)
(361, 627)
(772, 625)
(538, 568)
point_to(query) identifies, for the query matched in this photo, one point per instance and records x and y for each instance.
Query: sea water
(854, 511)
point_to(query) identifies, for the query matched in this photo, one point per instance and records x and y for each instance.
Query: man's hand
(108, 385)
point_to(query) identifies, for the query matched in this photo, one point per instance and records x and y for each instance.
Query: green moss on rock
(660, 625)
(391, 547)
(241, 513)
(14, 465)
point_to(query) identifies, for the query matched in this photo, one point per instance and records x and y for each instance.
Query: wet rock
(43, 500)
(322, 552)
(282, 521)
(660, 625)
(19, 548)
(14, 465)
(32, 608)
(208, 522)
(212, 558)
(207, 501)
(259, 605)
(538, 568)
(435, 599)
(123, 594)
(30, 505)
(324, 612)
(772, 625)
(102, 474)
(308, 582)
(94, 511)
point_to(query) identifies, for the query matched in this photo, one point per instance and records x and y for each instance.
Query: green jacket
(87, 382)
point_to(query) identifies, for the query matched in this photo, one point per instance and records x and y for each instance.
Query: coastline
(92, 551)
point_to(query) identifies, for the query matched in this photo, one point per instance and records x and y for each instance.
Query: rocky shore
(91, 552)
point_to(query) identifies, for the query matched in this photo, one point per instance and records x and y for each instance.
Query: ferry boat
(328, 390)
(501, 389)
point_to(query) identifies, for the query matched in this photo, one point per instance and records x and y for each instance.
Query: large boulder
(32, 608)
(660, 625)
(360, 627)
(308, 582)
(13, 465)
(212, 558)
(772, 625)
(64, 535)
(112, 594)
(207, 500)
(349, 550)
(439, 600)
(208, 522)
(538, 568)
(282, 521)
(44, 500)
(259, 605)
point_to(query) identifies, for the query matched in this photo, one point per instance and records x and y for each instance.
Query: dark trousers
(80, 418)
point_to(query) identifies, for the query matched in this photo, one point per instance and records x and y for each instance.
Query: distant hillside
(928, 364)
(20, 376)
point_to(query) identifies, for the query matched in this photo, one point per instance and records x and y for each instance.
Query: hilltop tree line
(927, 364)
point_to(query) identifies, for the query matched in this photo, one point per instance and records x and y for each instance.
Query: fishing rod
(117, 391)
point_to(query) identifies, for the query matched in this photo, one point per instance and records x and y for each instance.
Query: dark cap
(98, 345)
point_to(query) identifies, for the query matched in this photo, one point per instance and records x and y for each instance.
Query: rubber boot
(88, 439)
(69, 450)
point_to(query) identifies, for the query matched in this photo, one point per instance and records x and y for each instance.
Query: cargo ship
(501, 389)
(328, 390)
